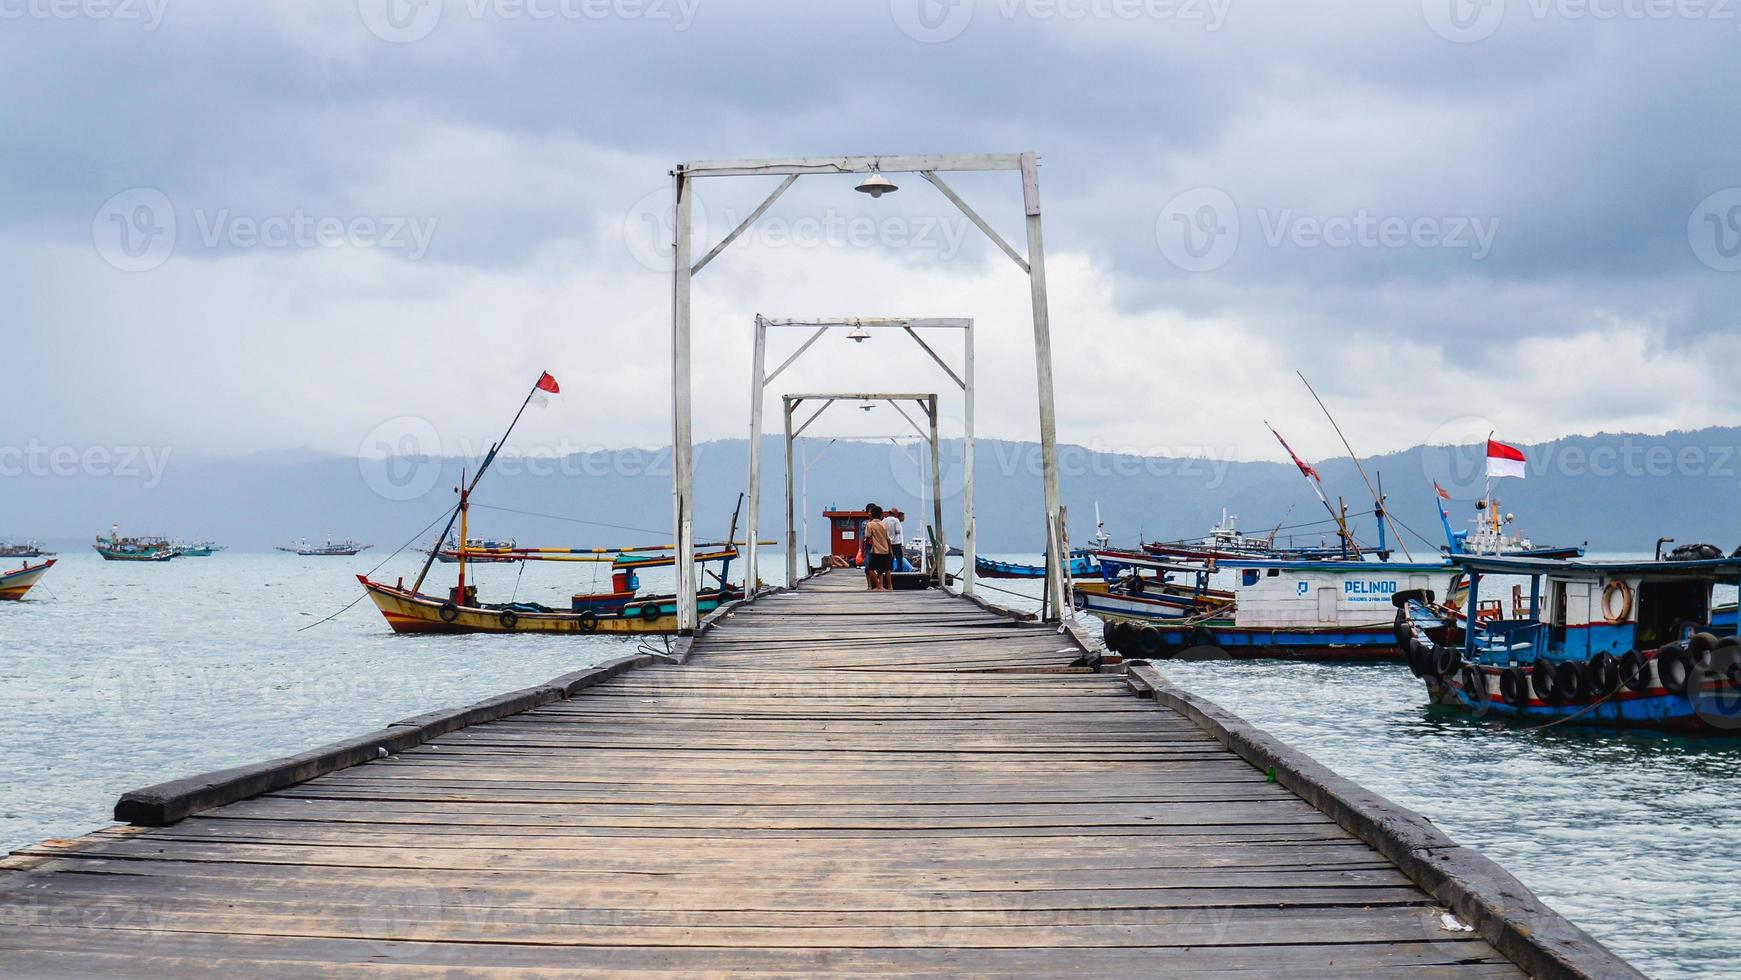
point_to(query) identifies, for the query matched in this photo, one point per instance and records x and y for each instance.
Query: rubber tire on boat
(1514, 686)
(1634, 671)
(1475, 683)
(1402, 631)
(1201, 637)
(1541, 675)
(448, 612)
(1675, 670)
(588, 621)
(1568, 681)
(1122, 640)
(1443, 661)
(1148, 642)
(651, 611)
(1602, 675)
(1106, 635)
(1413, 652)
(1726, 659)
(508, 618)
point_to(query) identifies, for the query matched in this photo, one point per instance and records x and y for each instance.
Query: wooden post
(937, 498)
(1043, 370)
(682, 432)
(752, 567)
(969, 546)
(792, 575)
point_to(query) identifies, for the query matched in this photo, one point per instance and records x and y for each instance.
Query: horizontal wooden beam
(899, 163)
(877, 322)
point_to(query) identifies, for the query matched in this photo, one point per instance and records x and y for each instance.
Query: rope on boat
(371, 572)
(1592, 706)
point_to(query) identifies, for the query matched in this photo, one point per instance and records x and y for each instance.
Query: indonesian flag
(546, 387)
(1503, 460)
(1306, 468)
(1441, 491)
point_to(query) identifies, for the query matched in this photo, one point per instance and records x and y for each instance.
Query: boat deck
(837, 781)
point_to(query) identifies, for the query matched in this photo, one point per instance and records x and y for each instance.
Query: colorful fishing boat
(408, 609)
(1271, 608)
(117, 548)
(1612, 643)
(1492, 533)
(341, 549)
(15, 583)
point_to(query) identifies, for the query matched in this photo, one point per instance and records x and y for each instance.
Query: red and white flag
(1306, 469)
(1441, 491)
(1503, 460)
(546, 387)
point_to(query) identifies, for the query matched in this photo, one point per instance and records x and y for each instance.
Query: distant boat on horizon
(201, 549)
(23, 549)
(148, 548)
(342, 549)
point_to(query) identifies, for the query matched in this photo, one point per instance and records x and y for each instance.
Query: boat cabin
(1577, 609)
(844, 528)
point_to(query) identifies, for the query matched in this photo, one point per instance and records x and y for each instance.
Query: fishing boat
(342, 549)
(198, 549)
(481, 551)
(1154, 608)
(622, 609)
(117, 548)
(1605, 643)
(1081, 566)
(22, 549)
(15, 583)
(1491, 534)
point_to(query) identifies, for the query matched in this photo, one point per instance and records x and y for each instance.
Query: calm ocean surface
(115, 676)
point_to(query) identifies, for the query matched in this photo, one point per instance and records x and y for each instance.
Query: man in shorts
(878, 552)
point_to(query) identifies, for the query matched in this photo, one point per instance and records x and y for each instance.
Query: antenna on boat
(1377, 498)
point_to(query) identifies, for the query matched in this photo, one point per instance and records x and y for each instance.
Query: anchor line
(372, 571)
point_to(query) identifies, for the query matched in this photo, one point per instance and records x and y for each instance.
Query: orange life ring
(1625, 592)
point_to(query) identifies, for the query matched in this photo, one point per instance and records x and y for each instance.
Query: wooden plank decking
(837, 781)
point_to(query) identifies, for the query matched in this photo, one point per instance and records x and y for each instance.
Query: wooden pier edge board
(1502, 909)
(169, 802)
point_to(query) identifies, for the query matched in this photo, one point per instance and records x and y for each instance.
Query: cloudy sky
(232, 228)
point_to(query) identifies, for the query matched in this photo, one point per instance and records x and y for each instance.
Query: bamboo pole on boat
(1376, 497)
(465, 489)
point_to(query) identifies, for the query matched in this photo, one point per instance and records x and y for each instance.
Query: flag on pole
(546, 387)
(1441, 491)
(1306, 468)
(1503, 460)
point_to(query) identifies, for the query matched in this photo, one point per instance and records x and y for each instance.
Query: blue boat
(1081, 566)
(1617, 644)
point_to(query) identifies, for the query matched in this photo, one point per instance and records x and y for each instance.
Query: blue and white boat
(1606, 643)
(1263, 608)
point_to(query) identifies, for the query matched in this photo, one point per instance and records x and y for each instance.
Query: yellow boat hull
(408, 612)
(14, 584)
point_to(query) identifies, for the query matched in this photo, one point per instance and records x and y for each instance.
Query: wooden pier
(834, 781)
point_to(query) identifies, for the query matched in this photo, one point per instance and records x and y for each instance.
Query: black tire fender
(448, 612)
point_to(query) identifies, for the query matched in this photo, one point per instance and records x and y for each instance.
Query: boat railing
(1512, 639)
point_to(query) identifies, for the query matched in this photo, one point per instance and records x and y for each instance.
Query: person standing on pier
(877, 551)
(897, 540)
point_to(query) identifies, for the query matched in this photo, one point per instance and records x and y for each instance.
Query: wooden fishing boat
(481, 551)
(202, 549)
(408, 609)
(342, 549)
(1081, 566)
(1614, 644)
(1274, 608)
(117, 548)
(15, 583)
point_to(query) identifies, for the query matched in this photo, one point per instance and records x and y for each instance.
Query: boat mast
(465, 493)
(464, 517)
(1313, 480)
(1377, 498)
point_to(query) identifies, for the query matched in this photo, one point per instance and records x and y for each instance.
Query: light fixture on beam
(876, 185)
(867, 406)
(859, 335)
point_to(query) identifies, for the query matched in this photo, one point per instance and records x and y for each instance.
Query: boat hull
(109, 554)
(1715, 709)
(408, 612)
(14, 584)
